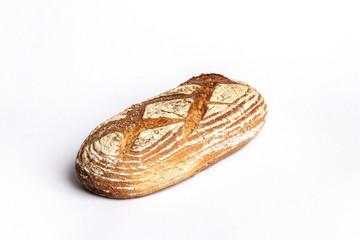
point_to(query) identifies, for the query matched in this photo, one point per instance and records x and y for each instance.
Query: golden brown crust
(170, 137)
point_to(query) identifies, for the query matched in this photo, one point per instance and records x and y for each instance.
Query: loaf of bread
(170, 137)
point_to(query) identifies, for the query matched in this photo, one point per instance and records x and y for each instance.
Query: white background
(66, 66)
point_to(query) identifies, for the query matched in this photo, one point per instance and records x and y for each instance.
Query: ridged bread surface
(170, 137)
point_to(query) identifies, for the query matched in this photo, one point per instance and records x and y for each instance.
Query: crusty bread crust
(170, 137)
